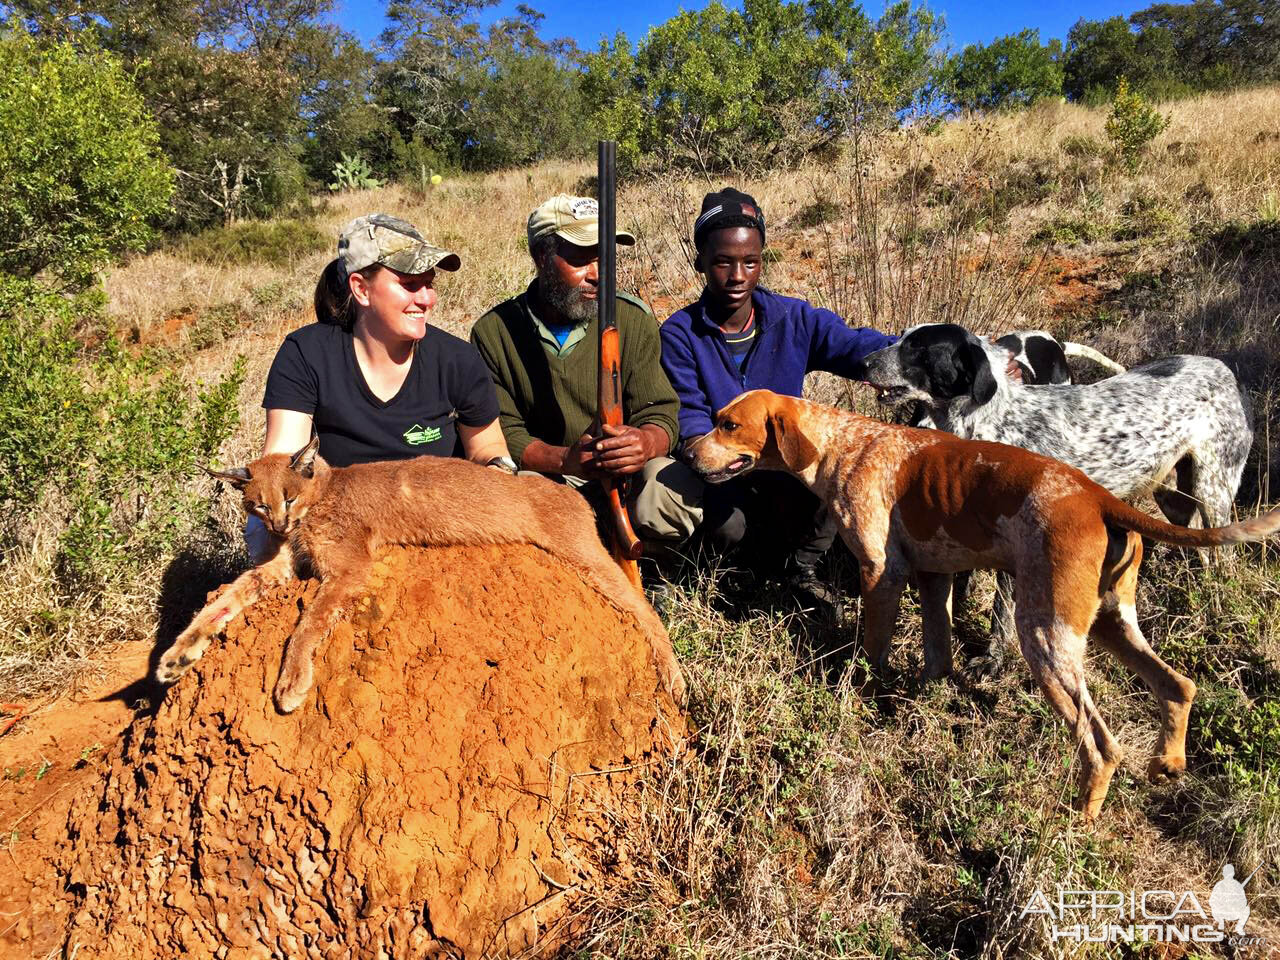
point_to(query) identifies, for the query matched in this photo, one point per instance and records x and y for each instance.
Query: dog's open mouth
(743, 462)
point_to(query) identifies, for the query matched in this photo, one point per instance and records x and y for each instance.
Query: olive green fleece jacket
(553, 399)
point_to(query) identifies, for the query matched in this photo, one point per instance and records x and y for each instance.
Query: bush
(1133, 124)
(415, 160)
(82, 175)
(100, 444)
(256, 241)
(1081, 146)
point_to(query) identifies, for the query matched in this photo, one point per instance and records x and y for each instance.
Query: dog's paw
(1166, 768)
(292, 687)
(984, 667)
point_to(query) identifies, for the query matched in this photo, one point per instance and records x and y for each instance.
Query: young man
(546, 376)
(740, 336)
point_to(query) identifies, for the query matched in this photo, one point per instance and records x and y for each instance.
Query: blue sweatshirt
(792, 338)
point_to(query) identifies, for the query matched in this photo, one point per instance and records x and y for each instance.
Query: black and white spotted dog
(1178, 428)
(1042, 358)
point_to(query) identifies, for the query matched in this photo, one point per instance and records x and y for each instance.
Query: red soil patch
(1074, 286)
(465, 766)
(72, 736)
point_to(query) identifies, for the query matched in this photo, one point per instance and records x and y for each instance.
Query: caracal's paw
(293, 686)
(673, 680)
(177, 660)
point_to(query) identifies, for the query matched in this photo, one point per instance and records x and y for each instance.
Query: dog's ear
(236, 476)
(793, 446)
(304, 460)
(982, 382)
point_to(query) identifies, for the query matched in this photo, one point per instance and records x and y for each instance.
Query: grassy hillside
(811, 817)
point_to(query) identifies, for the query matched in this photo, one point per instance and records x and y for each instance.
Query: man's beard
(568, 301)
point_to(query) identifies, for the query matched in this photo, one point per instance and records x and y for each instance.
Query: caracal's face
(273, 492)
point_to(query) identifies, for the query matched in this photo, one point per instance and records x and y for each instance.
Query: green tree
(610, 89)
(1171, 49)
(429, 47)
(720, 89)
(1100, 52)
(238, 90)
(480, 98)
(337, 102)
(83, 178)
(699, 79)
(887, 68)
(1217, 44)
(524, 97)
(1011, 71)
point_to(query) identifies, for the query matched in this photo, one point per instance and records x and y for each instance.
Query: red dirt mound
(463, 767)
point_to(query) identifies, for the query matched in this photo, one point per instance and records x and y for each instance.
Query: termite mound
(462, 772)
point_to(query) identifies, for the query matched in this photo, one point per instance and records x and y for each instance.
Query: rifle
(624, 544)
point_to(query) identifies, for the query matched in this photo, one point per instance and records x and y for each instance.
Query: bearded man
(541, 351)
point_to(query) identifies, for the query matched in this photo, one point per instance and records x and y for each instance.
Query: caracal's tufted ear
(236, 476)
(304, 460)
(793, 446)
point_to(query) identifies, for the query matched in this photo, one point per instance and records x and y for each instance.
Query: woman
(371, 377)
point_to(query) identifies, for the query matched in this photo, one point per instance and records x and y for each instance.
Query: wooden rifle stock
(626, 546)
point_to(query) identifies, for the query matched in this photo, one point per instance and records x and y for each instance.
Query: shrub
(255, 241)
(414, 161)
(1081, 146)
(1071, 230)
(823, 210)
(1132, 125)
(82, 175)
(100, 444)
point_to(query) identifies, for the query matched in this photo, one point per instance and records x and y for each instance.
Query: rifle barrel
(626, 545)
(608, 288)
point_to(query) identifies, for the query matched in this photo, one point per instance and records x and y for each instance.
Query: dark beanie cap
(727, 208)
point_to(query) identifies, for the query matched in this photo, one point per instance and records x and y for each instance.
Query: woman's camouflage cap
(392, 242)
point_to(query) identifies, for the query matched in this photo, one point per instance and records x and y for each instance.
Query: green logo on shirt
(418, 435)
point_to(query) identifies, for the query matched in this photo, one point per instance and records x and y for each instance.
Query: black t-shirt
(315, 372)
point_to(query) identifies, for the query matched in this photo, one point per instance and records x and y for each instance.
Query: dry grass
(811, 817)
(817, 816)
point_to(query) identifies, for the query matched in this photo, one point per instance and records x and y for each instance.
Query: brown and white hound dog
(926, 503)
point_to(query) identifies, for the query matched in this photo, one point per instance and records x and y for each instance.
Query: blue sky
(586, 21)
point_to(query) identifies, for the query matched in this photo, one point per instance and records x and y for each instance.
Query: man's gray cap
(392, 242)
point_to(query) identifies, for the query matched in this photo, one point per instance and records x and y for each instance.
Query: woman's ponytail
(333, 301)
